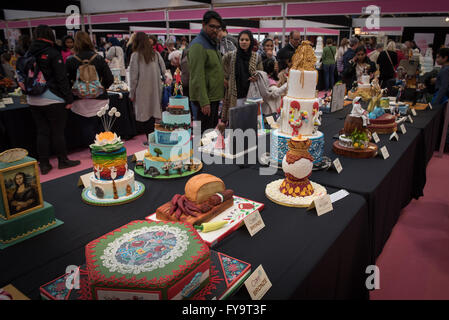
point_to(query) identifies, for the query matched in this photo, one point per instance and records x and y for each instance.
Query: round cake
(108, 156)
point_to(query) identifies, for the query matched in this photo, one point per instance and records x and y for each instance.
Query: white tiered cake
(300, 108)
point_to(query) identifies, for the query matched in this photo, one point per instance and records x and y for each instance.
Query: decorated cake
(381, 122)
(296, 190)
(170, 153)
(205, 197)
(148, 260)
(354, 140)
(23, 212)
(111, 182)
(300, 108)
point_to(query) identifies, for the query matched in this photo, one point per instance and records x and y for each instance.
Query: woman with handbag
(387, 61)
(239, 69)
(146, 68)
(116, 57)
(329, 64)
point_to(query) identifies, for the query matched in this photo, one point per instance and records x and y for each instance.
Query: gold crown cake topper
(304, 57)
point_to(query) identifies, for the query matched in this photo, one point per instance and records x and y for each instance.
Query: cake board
(141, 172)
(91, 199)
(28, 226)
(235, 215)
(369, 152)
(273, 193)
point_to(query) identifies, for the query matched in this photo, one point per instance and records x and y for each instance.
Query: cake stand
(369, 152)
(90, 198)
(273, 193)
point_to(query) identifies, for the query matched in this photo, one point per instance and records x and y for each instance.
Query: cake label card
(337, 165)
(138, 156)
(258, 283)
(84, 180)
(376, 137)
(339, 195)
(384, 152)
(410, 118)
(414, 112)
(254, 223)
(8, 101)
(403, 130)
(323, 204)
(394, 135)
(270, 120)
(2, 105)
(430, 106)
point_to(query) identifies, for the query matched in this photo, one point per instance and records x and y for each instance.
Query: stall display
(111, 182)
(300, 108)
(170, 153)
(296, 190)
(354, 140)
(148, 260)
(23, 212)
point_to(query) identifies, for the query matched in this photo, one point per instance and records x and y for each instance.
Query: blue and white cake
(170, 145)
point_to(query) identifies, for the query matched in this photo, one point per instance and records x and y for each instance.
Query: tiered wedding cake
(300, 108)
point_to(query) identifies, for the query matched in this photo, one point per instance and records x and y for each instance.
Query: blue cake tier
(171, 138)
(175, 120)
(163, 156)
(179, 101)
(279, 146)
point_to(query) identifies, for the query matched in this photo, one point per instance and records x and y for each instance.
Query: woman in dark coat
(358, 66)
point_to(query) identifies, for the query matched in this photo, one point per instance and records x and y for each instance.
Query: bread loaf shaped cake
(205, 197)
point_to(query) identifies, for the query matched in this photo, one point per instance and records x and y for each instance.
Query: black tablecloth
(17, 128)
(305, 256)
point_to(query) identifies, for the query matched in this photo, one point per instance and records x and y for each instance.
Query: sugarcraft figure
(359, 112)
(178, 84)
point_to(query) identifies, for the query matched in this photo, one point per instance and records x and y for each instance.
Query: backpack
(87, 84)
(30, 77)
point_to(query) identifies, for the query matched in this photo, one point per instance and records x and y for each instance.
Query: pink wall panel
(355, 7)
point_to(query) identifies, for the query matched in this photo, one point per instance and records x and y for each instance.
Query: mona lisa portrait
(21, 189)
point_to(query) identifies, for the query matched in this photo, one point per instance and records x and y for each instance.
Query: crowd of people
(218, 72)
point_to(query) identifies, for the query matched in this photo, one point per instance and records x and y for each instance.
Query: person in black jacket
(387, 61)
(358, 66)
(86, 109)
(285, 54)
(49, 109)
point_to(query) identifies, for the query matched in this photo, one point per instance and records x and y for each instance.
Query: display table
(17, 128)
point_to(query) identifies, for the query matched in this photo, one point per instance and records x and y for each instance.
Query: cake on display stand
(111, 183)
(170, 152)
(354, 140)
(207, 205)
(296, 190)
(300, 110)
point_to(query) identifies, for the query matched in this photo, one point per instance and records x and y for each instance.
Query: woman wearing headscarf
(239, 68)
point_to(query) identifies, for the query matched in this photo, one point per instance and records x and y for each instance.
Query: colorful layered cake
(300, 108)
(296, 190)
(23, 212)
(170, 145)
(111, 182)
(205, 198)
(147, 260)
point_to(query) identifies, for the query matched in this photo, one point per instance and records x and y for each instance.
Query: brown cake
(385, 124)
(205, 197)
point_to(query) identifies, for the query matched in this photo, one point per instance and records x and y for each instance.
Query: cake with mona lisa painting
(111, 182)
(296, 190)
(23, 212)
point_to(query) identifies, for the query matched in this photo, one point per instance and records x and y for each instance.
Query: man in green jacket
(206, 81)
(329, 64)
